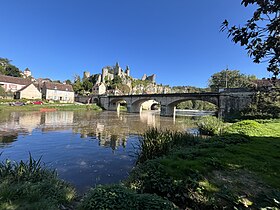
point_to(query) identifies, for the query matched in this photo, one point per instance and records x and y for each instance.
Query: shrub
(151, 177)
(247, 127)
(119, 197)
(210, 125)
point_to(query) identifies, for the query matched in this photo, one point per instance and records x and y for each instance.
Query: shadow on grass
(220, 172)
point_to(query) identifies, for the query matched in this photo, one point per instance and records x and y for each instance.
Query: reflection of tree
(7, 139)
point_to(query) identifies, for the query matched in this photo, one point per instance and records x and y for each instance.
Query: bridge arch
(115, 104)
(169, 108)
(138, 104)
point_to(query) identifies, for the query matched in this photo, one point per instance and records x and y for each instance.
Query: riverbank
(50, 107)
(237, 169)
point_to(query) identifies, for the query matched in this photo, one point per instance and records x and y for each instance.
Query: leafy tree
(8, 69)
(87, 85)
(261, 34)
(68, 82)
(78, 85)
(117, 80)
(230, 79)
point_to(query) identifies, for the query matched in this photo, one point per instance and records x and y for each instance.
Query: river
(85, 148)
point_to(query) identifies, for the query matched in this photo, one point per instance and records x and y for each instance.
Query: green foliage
(189, 89)
(197, 105)
(78, 85)
(119, 197)
(2, 92)
(230, 139)
(247, 127)
(6, 68)
(155, 143)
(265, 105)
(210, 125)
(87, 85)
(28, 185)
(260, 34)
(230, 79)
(151, 177)
(138, 82)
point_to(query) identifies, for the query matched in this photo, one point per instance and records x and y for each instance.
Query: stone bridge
(227, 102)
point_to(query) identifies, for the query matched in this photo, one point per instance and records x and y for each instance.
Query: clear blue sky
(178, 40)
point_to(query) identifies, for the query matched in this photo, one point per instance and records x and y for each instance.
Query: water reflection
(86, 148)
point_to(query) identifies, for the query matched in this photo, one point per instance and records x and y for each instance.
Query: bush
(151, 177)
(28, 185)
(210, 125)
(247, 127)
(119, 197)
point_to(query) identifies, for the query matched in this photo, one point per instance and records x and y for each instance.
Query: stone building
(109, 73)
(151, 78)
(58, 92)
(99, 89)
(13, 84)
(28, 92)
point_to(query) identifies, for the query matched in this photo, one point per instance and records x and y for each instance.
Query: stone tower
(127, 71)
(104, 74)
(86, 75)
(117, 69)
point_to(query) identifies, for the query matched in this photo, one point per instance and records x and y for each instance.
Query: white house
(99, 89)
(58, 92)
(13, 84)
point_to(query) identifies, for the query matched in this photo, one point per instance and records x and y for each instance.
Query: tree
(230, 79)
(77, 86)
(87, 85)
(261, 34)
(6, 68)
(68, 82)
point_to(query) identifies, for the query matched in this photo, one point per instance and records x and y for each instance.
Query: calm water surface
(86, 148)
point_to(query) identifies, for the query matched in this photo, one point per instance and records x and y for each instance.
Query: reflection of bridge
(227, 101)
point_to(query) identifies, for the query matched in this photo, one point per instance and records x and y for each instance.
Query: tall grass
(29, 185)
(155, 143)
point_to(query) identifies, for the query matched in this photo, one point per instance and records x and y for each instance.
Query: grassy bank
(28, 185)
(238, 169)
(58, 107)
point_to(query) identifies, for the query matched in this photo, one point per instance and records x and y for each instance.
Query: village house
(13, 84)
(99, 89)
(28, 92)
(58, 92)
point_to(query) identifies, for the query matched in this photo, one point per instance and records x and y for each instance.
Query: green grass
(28, 185)
(239, 169)
(59, 107)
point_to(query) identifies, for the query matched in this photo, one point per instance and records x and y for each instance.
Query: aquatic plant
(155, 143)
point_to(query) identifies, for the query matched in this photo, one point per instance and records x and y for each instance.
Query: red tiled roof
(58, 86)
(14, 80)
